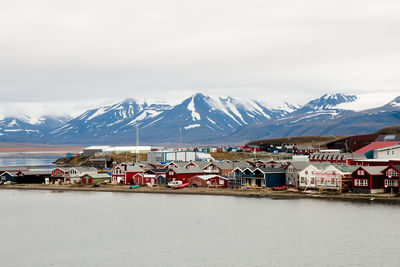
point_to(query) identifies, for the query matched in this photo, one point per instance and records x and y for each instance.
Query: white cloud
(78, 52)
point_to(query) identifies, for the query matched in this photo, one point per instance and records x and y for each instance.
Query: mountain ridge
(201, 119)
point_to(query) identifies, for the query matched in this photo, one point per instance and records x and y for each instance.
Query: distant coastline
(6, 147)
(256, 193)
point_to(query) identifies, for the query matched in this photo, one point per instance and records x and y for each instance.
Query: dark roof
(84, 169)
(374, 170)
(158, 171)
(12, 169)
(187, 170)
(272, 170)
(397, 167)
(96, 175)
(101, 159)
(42, 172)
(11, 173)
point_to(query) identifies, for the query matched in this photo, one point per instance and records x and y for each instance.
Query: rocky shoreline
(256, 193)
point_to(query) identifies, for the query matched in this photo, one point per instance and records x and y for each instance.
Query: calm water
(33, 161)
(43, 228)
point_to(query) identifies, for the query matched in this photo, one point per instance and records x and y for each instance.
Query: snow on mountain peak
(329, 102)
(288, 107)
(395, 102)
(191, 107)
(367, 101)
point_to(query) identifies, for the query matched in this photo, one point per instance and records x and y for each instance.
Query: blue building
(262, 177)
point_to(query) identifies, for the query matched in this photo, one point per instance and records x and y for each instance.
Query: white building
(392, 152)
(165, 156)
(308, 177)
(74, 174)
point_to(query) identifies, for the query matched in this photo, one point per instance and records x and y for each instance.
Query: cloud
(73, 51)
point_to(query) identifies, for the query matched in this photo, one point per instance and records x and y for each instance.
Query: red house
(59, 173)
(124, 173)
(391, 181)
(211, 181)
(250, 149)
(182, 174)
(138, 179)
(368, 179)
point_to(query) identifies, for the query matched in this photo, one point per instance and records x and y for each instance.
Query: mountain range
(202, 119)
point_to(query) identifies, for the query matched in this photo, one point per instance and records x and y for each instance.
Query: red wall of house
(58, 173)
(197, 181)
(214, 182)
(129, 177)
(138, 179)
(181, 176)
(148, 180)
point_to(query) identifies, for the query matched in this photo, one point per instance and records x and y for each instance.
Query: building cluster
(372, 168)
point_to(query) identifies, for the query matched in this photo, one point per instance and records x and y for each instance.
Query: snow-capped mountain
(24, 129)
(198, 117)
(325, 107)
(326, 116)
(109, 120)
(204, 119)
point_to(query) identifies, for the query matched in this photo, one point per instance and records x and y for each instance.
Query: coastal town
(363, 165)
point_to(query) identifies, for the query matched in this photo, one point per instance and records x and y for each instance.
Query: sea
(34, 160)
(58, 228)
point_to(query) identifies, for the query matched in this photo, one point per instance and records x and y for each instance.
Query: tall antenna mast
(137, 143)
(180, 135)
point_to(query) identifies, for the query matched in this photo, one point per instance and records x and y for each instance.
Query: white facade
(308, 177)
(329, 178)
(74, 174)
(392, 152)
(177, 156)
(127, 149)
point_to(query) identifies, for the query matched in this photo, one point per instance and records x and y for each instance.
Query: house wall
(172, 176)
(7, 177)
(58, 173)
(197, 181)
(275, 179)
(375, 183)
(32, 179)
(211, 169)
(217, 182)
(291, 176)
(160, 180)
(118, 177)
(137, 179)
(387, 153)
(307, 177)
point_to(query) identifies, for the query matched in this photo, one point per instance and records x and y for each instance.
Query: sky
(67, 56)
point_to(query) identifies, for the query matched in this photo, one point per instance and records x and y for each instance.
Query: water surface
(45, 228)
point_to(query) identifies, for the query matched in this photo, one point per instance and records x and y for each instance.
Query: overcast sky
(73, 54)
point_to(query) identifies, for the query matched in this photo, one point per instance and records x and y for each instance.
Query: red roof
(375, 145)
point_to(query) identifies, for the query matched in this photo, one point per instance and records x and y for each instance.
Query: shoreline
(255, 193)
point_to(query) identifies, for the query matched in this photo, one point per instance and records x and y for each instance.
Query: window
(360, 172)
(392, 173)
(360, 182)
(391, 183)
